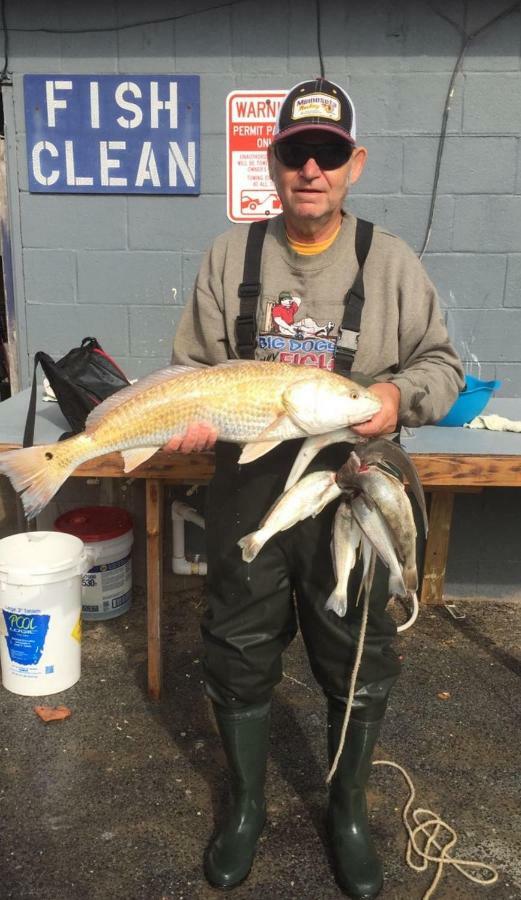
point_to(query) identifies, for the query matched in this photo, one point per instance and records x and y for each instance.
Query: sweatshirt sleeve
(200, 338)
(430, 372)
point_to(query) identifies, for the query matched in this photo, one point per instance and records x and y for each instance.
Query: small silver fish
(306, 498)
(345, 541)
(390, 497)
(374, 527)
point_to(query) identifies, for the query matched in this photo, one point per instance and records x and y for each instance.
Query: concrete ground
(119, 800)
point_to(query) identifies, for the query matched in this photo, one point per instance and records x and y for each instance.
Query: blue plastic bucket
(471, 401)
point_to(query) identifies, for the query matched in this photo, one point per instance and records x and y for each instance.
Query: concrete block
(34, 52)
(431, 42)
(383, 170)
(154, 340)
(486, 335)
(58, 328)
(470, 165)
(138, 366)
(407, 217)
(214, 91)
(137, 278)
(78, 52)
(186, 223)
(265, 26)
(402, 104)
(510, 376)
(497, 47)
(71, 221)
(513, 282)
(492, 102)
(203, 42)
(487, 223)
(49, 276)
(213, 165)
(303, 46)
(468, 280)
(148, 48)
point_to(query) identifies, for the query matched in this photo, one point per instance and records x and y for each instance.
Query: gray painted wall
(121, 267)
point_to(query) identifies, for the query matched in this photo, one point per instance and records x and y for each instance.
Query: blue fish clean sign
(113, 134)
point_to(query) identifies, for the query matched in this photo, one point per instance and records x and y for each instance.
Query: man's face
(310, 193)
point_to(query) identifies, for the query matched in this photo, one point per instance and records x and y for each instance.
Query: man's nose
(310, 169)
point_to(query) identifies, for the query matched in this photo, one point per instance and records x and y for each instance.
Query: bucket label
(76, 631)
(26, 633)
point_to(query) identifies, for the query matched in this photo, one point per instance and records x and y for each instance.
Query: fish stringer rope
(427, 823)
(434, 832)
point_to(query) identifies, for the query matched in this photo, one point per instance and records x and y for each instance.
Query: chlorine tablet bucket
(107, 532)
(40, 611)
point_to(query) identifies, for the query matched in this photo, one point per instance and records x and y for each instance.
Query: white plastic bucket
(107, 532)
(40, 611)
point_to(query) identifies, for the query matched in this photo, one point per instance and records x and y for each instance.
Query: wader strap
(353, 303)
(249, 291)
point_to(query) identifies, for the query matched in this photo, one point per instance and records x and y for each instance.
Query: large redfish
(255, 403)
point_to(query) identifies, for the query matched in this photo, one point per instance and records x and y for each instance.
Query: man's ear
(357, 163)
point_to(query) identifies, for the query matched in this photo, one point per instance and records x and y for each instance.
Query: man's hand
(385, 421)
(199, 436)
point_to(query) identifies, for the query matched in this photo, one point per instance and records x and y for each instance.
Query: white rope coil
(434, 832)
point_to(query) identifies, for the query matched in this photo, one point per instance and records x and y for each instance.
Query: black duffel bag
(80, 380)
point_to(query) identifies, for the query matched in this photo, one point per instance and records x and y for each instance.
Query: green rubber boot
(358, 868)
(245, 736)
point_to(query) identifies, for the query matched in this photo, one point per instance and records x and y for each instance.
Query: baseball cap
(316, 104)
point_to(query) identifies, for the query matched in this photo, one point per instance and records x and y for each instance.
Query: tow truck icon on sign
(260, 202)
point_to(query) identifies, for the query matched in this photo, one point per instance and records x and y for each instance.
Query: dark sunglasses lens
(326, 156)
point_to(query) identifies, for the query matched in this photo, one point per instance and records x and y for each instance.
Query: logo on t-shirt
(287, 338)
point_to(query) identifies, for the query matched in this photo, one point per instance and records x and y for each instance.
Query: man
(314, 251)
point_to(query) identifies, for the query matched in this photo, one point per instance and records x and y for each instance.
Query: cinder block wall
(121, 267)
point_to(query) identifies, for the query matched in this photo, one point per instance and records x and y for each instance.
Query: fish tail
(38, 472)
(337, 602)
(251, 545)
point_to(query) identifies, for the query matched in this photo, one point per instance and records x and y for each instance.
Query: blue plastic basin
(471, 401)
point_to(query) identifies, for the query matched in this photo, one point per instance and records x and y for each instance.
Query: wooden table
(477, 459)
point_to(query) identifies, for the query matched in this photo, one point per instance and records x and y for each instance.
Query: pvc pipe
(181, 512)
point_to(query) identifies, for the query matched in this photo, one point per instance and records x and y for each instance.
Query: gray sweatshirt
(403, 338)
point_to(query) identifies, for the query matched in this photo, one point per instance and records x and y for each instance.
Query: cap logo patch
(312, 105)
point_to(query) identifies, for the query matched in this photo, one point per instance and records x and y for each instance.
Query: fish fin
(251, 452)
(310, 447)
(337, 602)
(127, 393)
(251, 545)
(294, 406)
(35, 472)
(133, 458)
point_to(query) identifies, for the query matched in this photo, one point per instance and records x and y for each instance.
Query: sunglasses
(327, 156)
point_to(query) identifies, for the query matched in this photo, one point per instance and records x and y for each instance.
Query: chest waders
(251, 619)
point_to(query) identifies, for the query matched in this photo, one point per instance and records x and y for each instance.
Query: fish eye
(354, 395)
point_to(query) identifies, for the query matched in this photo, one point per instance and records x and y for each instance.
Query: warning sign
(250, 117)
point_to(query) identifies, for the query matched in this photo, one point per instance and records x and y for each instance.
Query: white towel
(494, 423)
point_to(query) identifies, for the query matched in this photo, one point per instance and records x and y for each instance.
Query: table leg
(437, 548)
(154, 516)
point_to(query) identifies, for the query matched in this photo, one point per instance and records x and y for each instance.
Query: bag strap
(249, 291)
(354, 302)
(28, 440)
